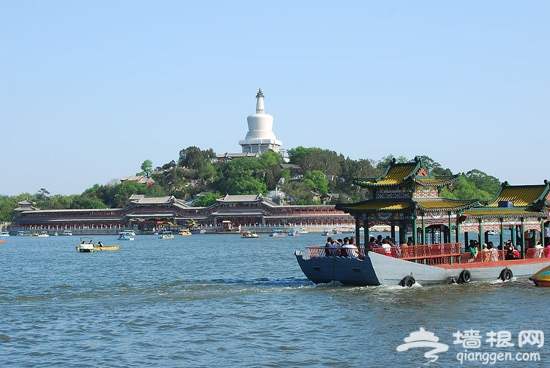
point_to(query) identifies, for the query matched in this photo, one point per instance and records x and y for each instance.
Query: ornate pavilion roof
(400, 173)
(514, 201)
(407, 205)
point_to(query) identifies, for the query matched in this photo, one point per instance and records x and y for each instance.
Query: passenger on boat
(351, 250)
(410, 241)
(485, 254)
(99, 244)
(334, 248)
(494, 252)
(511, 252)
(327, 246)
(472, 248)
(387, 247)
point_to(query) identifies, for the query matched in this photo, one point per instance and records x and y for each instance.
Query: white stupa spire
(260, 136)
(260, 109)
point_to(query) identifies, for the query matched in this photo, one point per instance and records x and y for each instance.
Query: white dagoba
(260, 136)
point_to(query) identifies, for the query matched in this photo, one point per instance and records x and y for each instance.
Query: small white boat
(67, 233)
(125, 235)
(249, 234)
(5, 233)
(294, 232)
(303, 230)
(277, 233)
(86, 245)
(43, 234)
(166, 235)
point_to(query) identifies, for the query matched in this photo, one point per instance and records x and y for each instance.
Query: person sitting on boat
(511, 252)
(91, 241)
(327, 246)
(99, 244)
(493, 251)
(351, 250)
(387, 247)
(472, 248)
(334, 248)
(485, 253)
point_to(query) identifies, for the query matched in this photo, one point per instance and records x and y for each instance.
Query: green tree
(192, 158)
(207, 199)
(484, 182)
(147, 168)
(434, 167)
(317, 181)
(238, 176)
(464, 189)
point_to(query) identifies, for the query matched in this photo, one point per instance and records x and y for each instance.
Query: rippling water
(220, 300)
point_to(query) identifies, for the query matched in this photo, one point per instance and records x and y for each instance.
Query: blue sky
(91, 89)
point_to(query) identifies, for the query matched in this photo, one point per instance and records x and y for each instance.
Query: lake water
(220, 300)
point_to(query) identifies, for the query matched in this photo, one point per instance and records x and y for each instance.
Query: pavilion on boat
(406, 197)
(520, 211)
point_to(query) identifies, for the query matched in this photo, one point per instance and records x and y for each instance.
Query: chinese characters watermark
(472, 340)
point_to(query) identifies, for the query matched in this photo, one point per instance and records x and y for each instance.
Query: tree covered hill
(311, 175)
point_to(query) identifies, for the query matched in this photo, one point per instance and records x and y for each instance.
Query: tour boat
(249, 234)
(542, 278)
(423, 264)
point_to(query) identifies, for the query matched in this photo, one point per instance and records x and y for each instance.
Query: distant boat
(249, 234)
(293, 232)
(186, 232)
(43, 234)
(5, 233)
(86, 245)
(303, 230)
(67, 233)
(125, 235)
(277, 233)
(166, 235)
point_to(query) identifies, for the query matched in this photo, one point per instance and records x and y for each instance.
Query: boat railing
(432, 254)
(500, 255)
